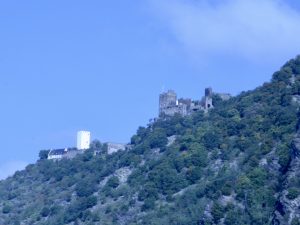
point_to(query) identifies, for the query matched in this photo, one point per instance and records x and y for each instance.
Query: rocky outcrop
(123, 174)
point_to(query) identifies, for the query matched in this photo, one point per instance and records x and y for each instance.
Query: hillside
(237, 164)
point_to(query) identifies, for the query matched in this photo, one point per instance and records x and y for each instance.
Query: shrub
(217, 212)
(45, 212)
(6, 209)
(113, 182)
(148, 204)
(293, 193)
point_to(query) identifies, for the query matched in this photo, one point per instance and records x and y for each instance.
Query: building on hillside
(167, 101)
(169, 105)
(65, 153)
(57, 154)
(83, 140)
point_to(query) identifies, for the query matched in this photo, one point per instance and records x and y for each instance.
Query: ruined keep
(208, 102)
(169, 105)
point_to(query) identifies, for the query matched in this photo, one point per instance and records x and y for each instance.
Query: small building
(66, 153)
(57, 154)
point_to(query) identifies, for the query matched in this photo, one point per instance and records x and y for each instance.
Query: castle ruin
(169, 105)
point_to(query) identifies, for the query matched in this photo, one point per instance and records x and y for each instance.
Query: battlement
(169, 105)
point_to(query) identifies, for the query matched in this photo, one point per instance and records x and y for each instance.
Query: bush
(84, 189)
(217, 212)
(6, 209)
(158, 139)
(293, 193)
(284, 156)
(148, 204)
(45, 212)
(295, 221)
(43, 154)
(113, 182)
(194, 174)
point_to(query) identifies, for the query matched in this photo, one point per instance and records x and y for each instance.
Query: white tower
(83, 140)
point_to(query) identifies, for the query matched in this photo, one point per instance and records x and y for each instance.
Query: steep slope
(238, 164)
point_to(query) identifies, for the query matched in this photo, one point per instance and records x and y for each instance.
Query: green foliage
(43, 154)
(113, 182)
(85, 188)
(157, 138)
(148, 204)
(295, 221)
(284, 156)
(45, 212)
(217, 212)
(96, 145)
(166, 179)
(6, 209)
(293, 193)
(148, 192)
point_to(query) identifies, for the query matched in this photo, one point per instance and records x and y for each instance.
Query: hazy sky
(100, 65)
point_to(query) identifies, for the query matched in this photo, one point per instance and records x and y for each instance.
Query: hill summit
(237, 164)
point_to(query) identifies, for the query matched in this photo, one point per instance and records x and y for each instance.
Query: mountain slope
(238, 164)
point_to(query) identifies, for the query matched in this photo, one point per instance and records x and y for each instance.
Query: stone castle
(169, 105)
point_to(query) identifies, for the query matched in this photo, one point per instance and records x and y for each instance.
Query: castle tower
(208, 102)
(83, 140)
(167, 100)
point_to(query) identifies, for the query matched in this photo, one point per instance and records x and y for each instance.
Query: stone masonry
(169, 105)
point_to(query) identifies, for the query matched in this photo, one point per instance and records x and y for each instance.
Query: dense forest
(237, 164)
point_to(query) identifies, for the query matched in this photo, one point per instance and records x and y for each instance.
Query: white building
(83, 140)
(66, 153)
(57, 154)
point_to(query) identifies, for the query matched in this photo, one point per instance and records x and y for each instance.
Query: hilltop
(238, 163)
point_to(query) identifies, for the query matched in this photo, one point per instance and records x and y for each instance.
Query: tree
(149, 204)
(96, 145)
(6, 209)
(43, 154)
(85, 188)
(158, 139)
(217, 212)
(211, 140)
(293, 193)
(113, 182)
(45, 212)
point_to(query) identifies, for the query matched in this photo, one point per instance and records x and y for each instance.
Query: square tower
(83, 140)
(208, 101)
(167, 100)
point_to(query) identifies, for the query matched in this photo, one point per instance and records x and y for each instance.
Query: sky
(95, 65)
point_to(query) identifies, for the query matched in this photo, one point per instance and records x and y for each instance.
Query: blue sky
(100, 65)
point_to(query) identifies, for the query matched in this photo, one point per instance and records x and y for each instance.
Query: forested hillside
(237, 164)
